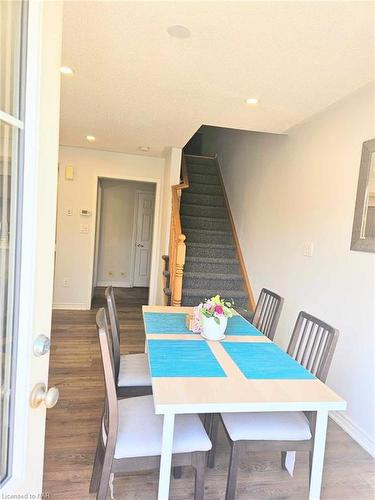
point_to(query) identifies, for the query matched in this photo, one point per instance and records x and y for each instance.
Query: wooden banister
(177, 247)
(249, 291)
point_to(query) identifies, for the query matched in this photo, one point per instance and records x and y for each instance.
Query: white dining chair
(130, 434)
(312, 344)
(131, 370)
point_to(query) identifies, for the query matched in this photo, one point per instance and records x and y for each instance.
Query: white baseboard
(121, 284)
(72, 306)
(361, 437)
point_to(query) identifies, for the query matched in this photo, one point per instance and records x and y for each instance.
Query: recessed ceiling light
(144, 148)
(65, 70)
(90, 138)
(179, 31)
(252, 100)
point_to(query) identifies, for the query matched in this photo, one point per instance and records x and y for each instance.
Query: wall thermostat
(84, 212)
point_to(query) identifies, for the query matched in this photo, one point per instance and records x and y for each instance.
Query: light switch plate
(68, 211)
(308, 249)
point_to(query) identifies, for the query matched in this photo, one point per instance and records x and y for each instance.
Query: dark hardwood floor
(72, 427)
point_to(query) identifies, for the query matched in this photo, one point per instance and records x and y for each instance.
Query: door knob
(40, 395)
(139, 245)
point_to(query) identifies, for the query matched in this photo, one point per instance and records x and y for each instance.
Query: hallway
(72, 428)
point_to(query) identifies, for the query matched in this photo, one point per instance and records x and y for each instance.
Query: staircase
(212, 262)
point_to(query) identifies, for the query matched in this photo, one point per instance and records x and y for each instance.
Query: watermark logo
(25, 496)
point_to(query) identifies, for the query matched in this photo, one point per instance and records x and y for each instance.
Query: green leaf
(216, 320)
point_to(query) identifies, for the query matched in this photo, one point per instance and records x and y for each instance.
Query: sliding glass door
(12, 66)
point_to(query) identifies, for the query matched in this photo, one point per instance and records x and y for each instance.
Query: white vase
(211, 329)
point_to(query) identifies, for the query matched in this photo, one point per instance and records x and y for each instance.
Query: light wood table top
(234, 392)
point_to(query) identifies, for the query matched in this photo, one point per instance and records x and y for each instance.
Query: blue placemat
(175, 323)
(265, 361)
(237, 325)
(183, 358)
(165, 323)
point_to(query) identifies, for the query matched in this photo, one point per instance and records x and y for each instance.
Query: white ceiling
(136, 85)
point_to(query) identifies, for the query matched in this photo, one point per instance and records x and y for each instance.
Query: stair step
(203, 199)
(214, 189)
(210, 250)
(195, 222)
(209, 180)
(201, 160)
(211, 276)
(209, 264)
(202, 168)
(193, 297)
(217, 281)
(208, 236)
(245, 313)
(214, 212)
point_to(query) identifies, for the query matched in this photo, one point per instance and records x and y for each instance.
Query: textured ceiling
(136, 85)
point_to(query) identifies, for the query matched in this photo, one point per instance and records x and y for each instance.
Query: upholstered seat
(269, 426)
(131, 434)
(134, 371)
(140, 430)
(312, 345)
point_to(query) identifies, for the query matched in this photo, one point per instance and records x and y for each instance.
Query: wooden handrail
(249, 291)
(177, 247)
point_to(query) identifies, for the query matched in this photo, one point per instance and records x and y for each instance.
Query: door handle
(40, 395)
(139, 245)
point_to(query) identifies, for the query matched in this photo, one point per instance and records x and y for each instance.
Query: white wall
(116, 230)
(286, 191)
(171, 178)
(74, 251)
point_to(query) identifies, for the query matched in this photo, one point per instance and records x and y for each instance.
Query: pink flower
(207, 305)
(218, 310)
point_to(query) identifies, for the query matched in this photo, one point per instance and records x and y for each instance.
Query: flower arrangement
(216, 308)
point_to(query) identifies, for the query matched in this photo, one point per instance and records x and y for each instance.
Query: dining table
(244, 372)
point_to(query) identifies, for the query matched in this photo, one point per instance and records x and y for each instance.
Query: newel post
(179, 270)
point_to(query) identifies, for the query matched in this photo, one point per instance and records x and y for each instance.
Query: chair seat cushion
(267, 426)
(140, 430)
(134, 371)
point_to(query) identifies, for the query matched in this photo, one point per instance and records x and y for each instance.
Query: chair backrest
(267, 312)
(110, 413)
(115, 327)
(313, 344)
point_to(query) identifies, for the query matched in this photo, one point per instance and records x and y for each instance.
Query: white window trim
(11, 120)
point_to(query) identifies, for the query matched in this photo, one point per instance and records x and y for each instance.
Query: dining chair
(267, 312)
(265, 319)
(131, 370)
(130, 434)
(312, 344)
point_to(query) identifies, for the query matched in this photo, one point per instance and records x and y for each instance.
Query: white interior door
(29, 118)
(145, 203)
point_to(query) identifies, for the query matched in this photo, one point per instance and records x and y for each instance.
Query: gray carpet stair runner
(211, 265)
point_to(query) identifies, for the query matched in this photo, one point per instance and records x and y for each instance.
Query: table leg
(318, 454)
(166, 457)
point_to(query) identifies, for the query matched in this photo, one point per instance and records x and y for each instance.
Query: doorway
(124, 233)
